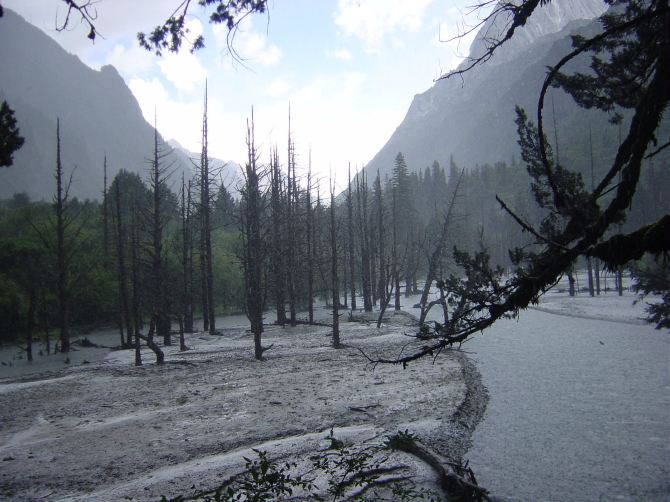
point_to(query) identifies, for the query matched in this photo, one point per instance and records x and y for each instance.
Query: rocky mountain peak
(549, 19)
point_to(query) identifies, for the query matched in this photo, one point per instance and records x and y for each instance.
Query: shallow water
(579, 410)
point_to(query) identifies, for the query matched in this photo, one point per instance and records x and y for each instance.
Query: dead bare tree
(333, 269)
(134, 270)
(436, 255)
(291, 207)
(350, 242)
(121, 269)
(379, 203)
(309, 238)
(186, 256)
(362, 200)
(394, 251)
(63, 221)
(105, 211)
(277, 250)
(254, 252)
(206, 229)
(159, 173)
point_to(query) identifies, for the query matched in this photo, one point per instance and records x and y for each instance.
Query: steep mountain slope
(98, 114)
(472, 119)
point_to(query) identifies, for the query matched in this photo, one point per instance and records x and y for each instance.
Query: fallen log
(456, 480)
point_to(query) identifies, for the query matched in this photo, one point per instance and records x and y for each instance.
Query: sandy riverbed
(108, 430)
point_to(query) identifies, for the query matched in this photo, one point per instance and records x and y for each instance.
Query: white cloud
(248, 44)
(372, 20)
(131, 62)
(279, 87)
(148, 93)
(184, 70)
(341, 54)
(176, 119)
(254, 47)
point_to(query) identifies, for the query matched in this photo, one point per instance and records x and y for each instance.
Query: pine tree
(10, 139)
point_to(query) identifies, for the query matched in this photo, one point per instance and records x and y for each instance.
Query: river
(579, 410)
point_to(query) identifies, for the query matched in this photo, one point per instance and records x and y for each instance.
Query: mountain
(98, 115)
(472, 119)
(229, 173)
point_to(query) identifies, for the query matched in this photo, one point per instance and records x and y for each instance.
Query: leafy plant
(653, 277)
(352, 473)
(262, 480)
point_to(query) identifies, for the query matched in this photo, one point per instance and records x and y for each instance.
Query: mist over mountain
(98, 115)
(471, 119)
(227, 173)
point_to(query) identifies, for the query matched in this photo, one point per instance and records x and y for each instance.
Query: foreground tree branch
(635, 43)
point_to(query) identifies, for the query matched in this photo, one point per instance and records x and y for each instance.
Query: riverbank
(108, 430)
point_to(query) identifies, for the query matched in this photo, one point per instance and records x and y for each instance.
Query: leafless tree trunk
(382, 286)
(105, 212)
(30, 322)
(253, 248)
(588, 259)
(333, 269)
(60, 205)
(371, 236)
(135, 242)
(182, 341)
(589, 268)
(409, 261)
(277, 256)
(351, 244)
(291, 205)
(385, 298)
(396, 267)
(435, 258)
(121, 268)
(157, 185)
(160, 357)
(186, 257)
(205, 209)
(310, 244)
(571, 281)
(43, 318)
(361, 195)
(318, 244)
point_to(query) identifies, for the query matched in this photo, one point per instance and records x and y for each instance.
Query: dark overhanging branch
(553, 72)
(520, 15)
(622, 248)
(657, 151)
(526, 226)
(88, 15)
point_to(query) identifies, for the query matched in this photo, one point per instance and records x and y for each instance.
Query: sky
(348, 68)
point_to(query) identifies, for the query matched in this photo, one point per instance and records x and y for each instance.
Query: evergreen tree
(10, 139)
